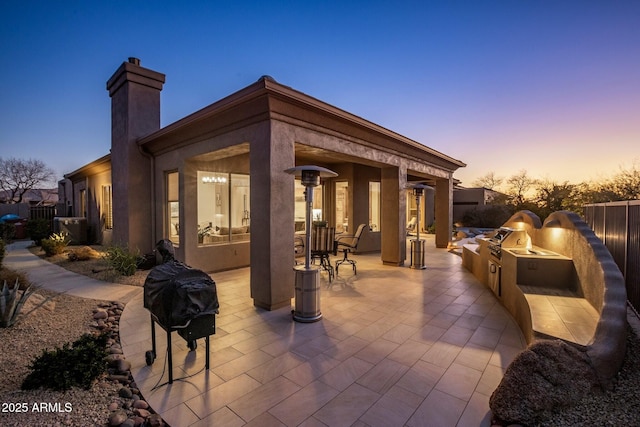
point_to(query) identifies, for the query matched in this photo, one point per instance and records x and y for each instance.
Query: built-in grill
(506, 237)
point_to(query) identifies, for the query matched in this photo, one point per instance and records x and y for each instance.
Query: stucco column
(272, 220)
(394, 207)
(444, 212)
(135, 113)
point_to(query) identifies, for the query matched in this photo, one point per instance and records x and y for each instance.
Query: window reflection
(374, 206)
(223, 207)
(172, 229)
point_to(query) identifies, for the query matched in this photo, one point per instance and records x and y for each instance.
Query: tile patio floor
(395, 347)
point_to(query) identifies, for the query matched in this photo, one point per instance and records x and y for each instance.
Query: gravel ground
(617, 407)
(61, 319)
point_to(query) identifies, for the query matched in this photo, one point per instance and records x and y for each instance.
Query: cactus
(11, 304)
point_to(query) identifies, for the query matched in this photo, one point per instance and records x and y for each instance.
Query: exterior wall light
(214, 180)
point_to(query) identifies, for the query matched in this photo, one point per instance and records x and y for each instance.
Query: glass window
(83, 202)
(374, 206)
(223, 207)
(317, 212)
(107, 211)
(173, 208)
(342, 202)
(240, 215)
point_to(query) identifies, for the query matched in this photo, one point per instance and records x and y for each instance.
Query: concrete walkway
(395, 346)
(49, 276)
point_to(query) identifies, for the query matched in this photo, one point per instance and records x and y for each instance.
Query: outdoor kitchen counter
(542, 290)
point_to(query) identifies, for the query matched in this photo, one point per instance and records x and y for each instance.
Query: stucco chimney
(135, 113)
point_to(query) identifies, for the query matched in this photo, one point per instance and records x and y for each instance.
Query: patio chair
(348, 243)
(411, 225)
(298, 246)
(322, 244)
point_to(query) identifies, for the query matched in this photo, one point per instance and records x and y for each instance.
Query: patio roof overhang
(266, 100)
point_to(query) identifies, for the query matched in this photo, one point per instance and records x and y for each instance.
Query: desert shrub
(7, 231)
(10, 276)
(11, 302)
(83, 253)
(75, 365)
(489, 217)
(55, 244)
(122, 260)
(38, 229)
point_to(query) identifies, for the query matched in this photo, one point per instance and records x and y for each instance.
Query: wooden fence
(617, 224)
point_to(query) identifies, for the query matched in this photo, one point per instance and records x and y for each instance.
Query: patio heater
(307, 305)
(417, 245)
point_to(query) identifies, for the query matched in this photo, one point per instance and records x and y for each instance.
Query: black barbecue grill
(181, 299)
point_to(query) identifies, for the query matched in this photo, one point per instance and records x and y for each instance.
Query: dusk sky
(552, 87)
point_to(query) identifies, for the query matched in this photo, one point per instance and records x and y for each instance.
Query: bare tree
(489, 181)
(552, 196)
(18, 176)
(626, 183)
(519, 186)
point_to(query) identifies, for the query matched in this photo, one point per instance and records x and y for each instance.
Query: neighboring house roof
(100, 165)
(35, 196)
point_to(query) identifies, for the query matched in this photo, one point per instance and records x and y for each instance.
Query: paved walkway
(396, 346)
(54, 278)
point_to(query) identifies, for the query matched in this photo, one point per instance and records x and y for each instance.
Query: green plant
(431, 229)
(55, 244)
(122, 260)
(7, 231)
(76, 365)
(38, 229)
(11, 303)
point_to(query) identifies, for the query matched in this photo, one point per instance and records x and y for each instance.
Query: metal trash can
(417, 254)
(181, 299)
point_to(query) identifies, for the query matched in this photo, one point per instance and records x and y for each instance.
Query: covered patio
(395, 346)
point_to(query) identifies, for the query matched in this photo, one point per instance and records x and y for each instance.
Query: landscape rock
(100, 314)
(155, 420)
(117, 417)
(140, 404)
(125, 392)
(545, 377)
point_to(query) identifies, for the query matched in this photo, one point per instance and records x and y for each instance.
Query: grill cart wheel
(150, 357)
(192, 345)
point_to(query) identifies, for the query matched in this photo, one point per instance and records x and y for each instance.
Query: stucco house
(465, 199)
(214, 181)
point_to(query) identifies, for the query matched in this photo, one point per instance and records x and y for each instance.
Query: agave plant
(11, 303)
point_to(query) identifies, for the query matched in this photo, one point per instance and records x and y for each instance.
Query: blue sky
(552, 87)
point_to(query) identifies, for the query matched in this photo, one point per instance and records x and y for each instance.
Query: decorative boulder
(547, 376)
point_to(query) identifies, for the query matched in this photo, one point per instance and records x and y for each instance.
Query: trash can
(21, 229)
(417, 254)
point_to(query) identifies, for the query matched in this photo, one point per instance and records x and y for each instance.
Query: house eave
(97, 166)
(267, 99)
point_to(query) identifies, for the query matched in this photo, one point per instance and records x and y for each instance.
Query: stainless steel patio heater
(417, 245)
(307, 305)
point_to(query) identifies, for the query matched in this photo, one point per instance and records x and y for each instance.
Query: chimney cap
(134, 61)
